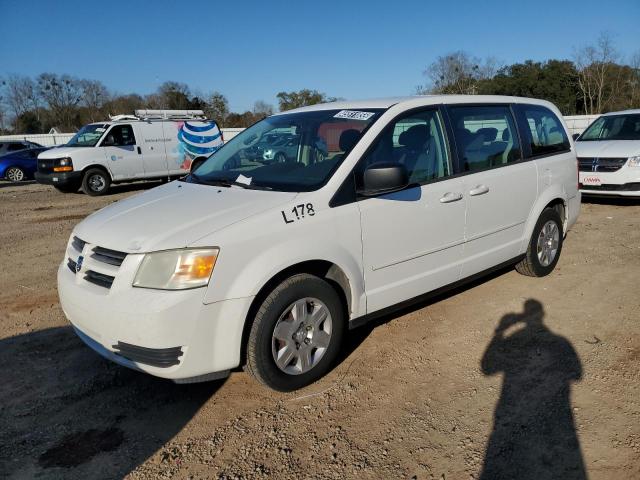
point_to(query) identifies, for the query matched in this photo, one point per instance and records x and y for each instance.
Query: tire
(96, 182)
(540, 261)
(196, 163)
(15, 174)
(305, 354)
(71, 188)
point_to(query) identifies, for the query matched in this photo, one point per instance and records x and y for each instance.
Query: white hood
(59, 152)
(608, 148)
(173, 216)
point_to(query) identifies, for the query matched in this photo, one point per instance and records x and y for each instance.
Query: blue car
(20, 165)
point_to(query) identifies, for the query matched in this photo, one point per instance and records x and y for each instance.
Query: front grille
(155, 357)
(99, 278)
(78, 244)
(591, 164)
(72, 265)
(106, 255)
(45, 165)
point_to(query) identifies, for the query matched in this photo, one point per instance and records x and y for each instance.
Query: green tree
(553, 80)
(301, 98)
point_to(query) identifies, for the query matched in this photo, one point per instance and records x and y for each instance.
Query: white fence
(53, 139)
(575, 123)
(578, 123)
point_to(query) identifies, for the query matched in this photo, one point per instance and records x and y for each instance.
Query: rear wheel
(96, 182)
(15, 174)
(296, 334)
(544, 247)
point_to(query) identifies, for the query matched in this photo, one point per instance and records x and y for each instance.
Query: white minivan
(609, 155)
(265, 263)
(151, 144)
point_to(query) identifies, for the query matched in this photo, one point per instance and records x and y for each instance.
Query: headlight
(634, 161)
(63, 165)
(176, 269)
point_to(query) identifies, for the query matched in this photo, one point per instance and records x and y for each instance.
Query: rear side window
(14, 147)
(486, 136)
(544, 132)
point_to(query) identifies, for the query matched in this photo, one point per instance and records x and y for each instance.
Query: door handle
(139, 151)
(451, 197)
(479, 190)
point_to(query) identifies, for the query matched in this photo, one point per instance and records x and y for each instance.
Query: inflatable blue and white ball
(198, 139)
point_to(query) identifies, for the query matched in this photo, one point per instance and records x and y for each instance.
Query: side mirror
(110, 141)
(575, 136)
(384, 177)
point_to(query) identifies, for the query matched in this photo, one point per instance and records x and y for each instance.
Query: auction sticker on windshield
(353, 115)
(591, 180)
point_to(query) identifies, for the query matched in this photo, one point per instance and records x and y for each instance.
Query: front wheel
(544, 247)
(96, 182)
(15, 174)
(296, 334)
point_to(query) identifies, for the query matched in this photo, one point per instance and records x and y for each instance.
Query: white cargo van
(266, 262)
(609, 155)
(148, 145)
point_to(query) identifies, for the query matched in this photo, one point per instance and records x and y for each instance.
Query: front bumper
(612, 189)
(61, 178)
(169, 334)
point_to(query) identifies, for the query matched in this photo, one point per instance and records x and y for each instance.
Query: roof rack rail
(171, 114)
(115, 118)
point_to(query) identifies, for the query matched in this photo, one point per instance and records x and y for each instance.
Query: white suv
(266, 264)
(609, 155)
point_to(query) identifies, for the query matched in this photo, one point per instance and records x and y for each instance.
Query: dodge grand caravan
(265, 264)
(609, 155)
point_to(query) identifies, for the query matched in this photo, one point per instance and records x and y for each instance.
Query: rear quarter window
(543, 131)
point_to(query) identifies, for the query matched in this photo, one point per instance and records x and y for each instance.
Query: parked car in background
(609, 155)
(11, 146)
(151, 144)
(20, 165)
(282, 150)
(268, 264)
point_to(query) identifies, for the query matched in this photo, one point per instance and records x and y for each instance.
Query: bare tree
(94, 95)
(217, 107)
(20, 93)
(262, 109)
(598, 77)
(457, 72)
(62, 94)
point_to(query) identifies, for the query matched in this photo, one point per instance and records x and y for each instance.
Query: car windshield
(613, 127)
(88, 136)
(292, 152)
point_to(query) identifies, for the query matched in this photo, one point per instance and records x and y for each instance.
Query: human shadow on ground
(67, 413)
(534, 434)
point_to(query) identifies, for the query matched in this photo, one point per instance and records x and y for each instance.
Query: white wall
(579, 123)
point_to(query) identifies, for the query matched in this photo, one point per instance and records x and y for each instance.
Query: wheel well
(321, 268)
(99, 167)
(559, 206)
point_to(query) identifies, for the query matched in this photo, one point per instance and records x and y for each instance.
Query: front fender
(253, 251)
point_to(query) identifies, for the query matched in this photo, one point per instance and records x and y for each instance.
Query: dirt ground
(428, 393)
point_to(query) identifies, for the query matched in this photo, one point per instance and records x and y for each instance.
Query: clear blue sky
(250, 50)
